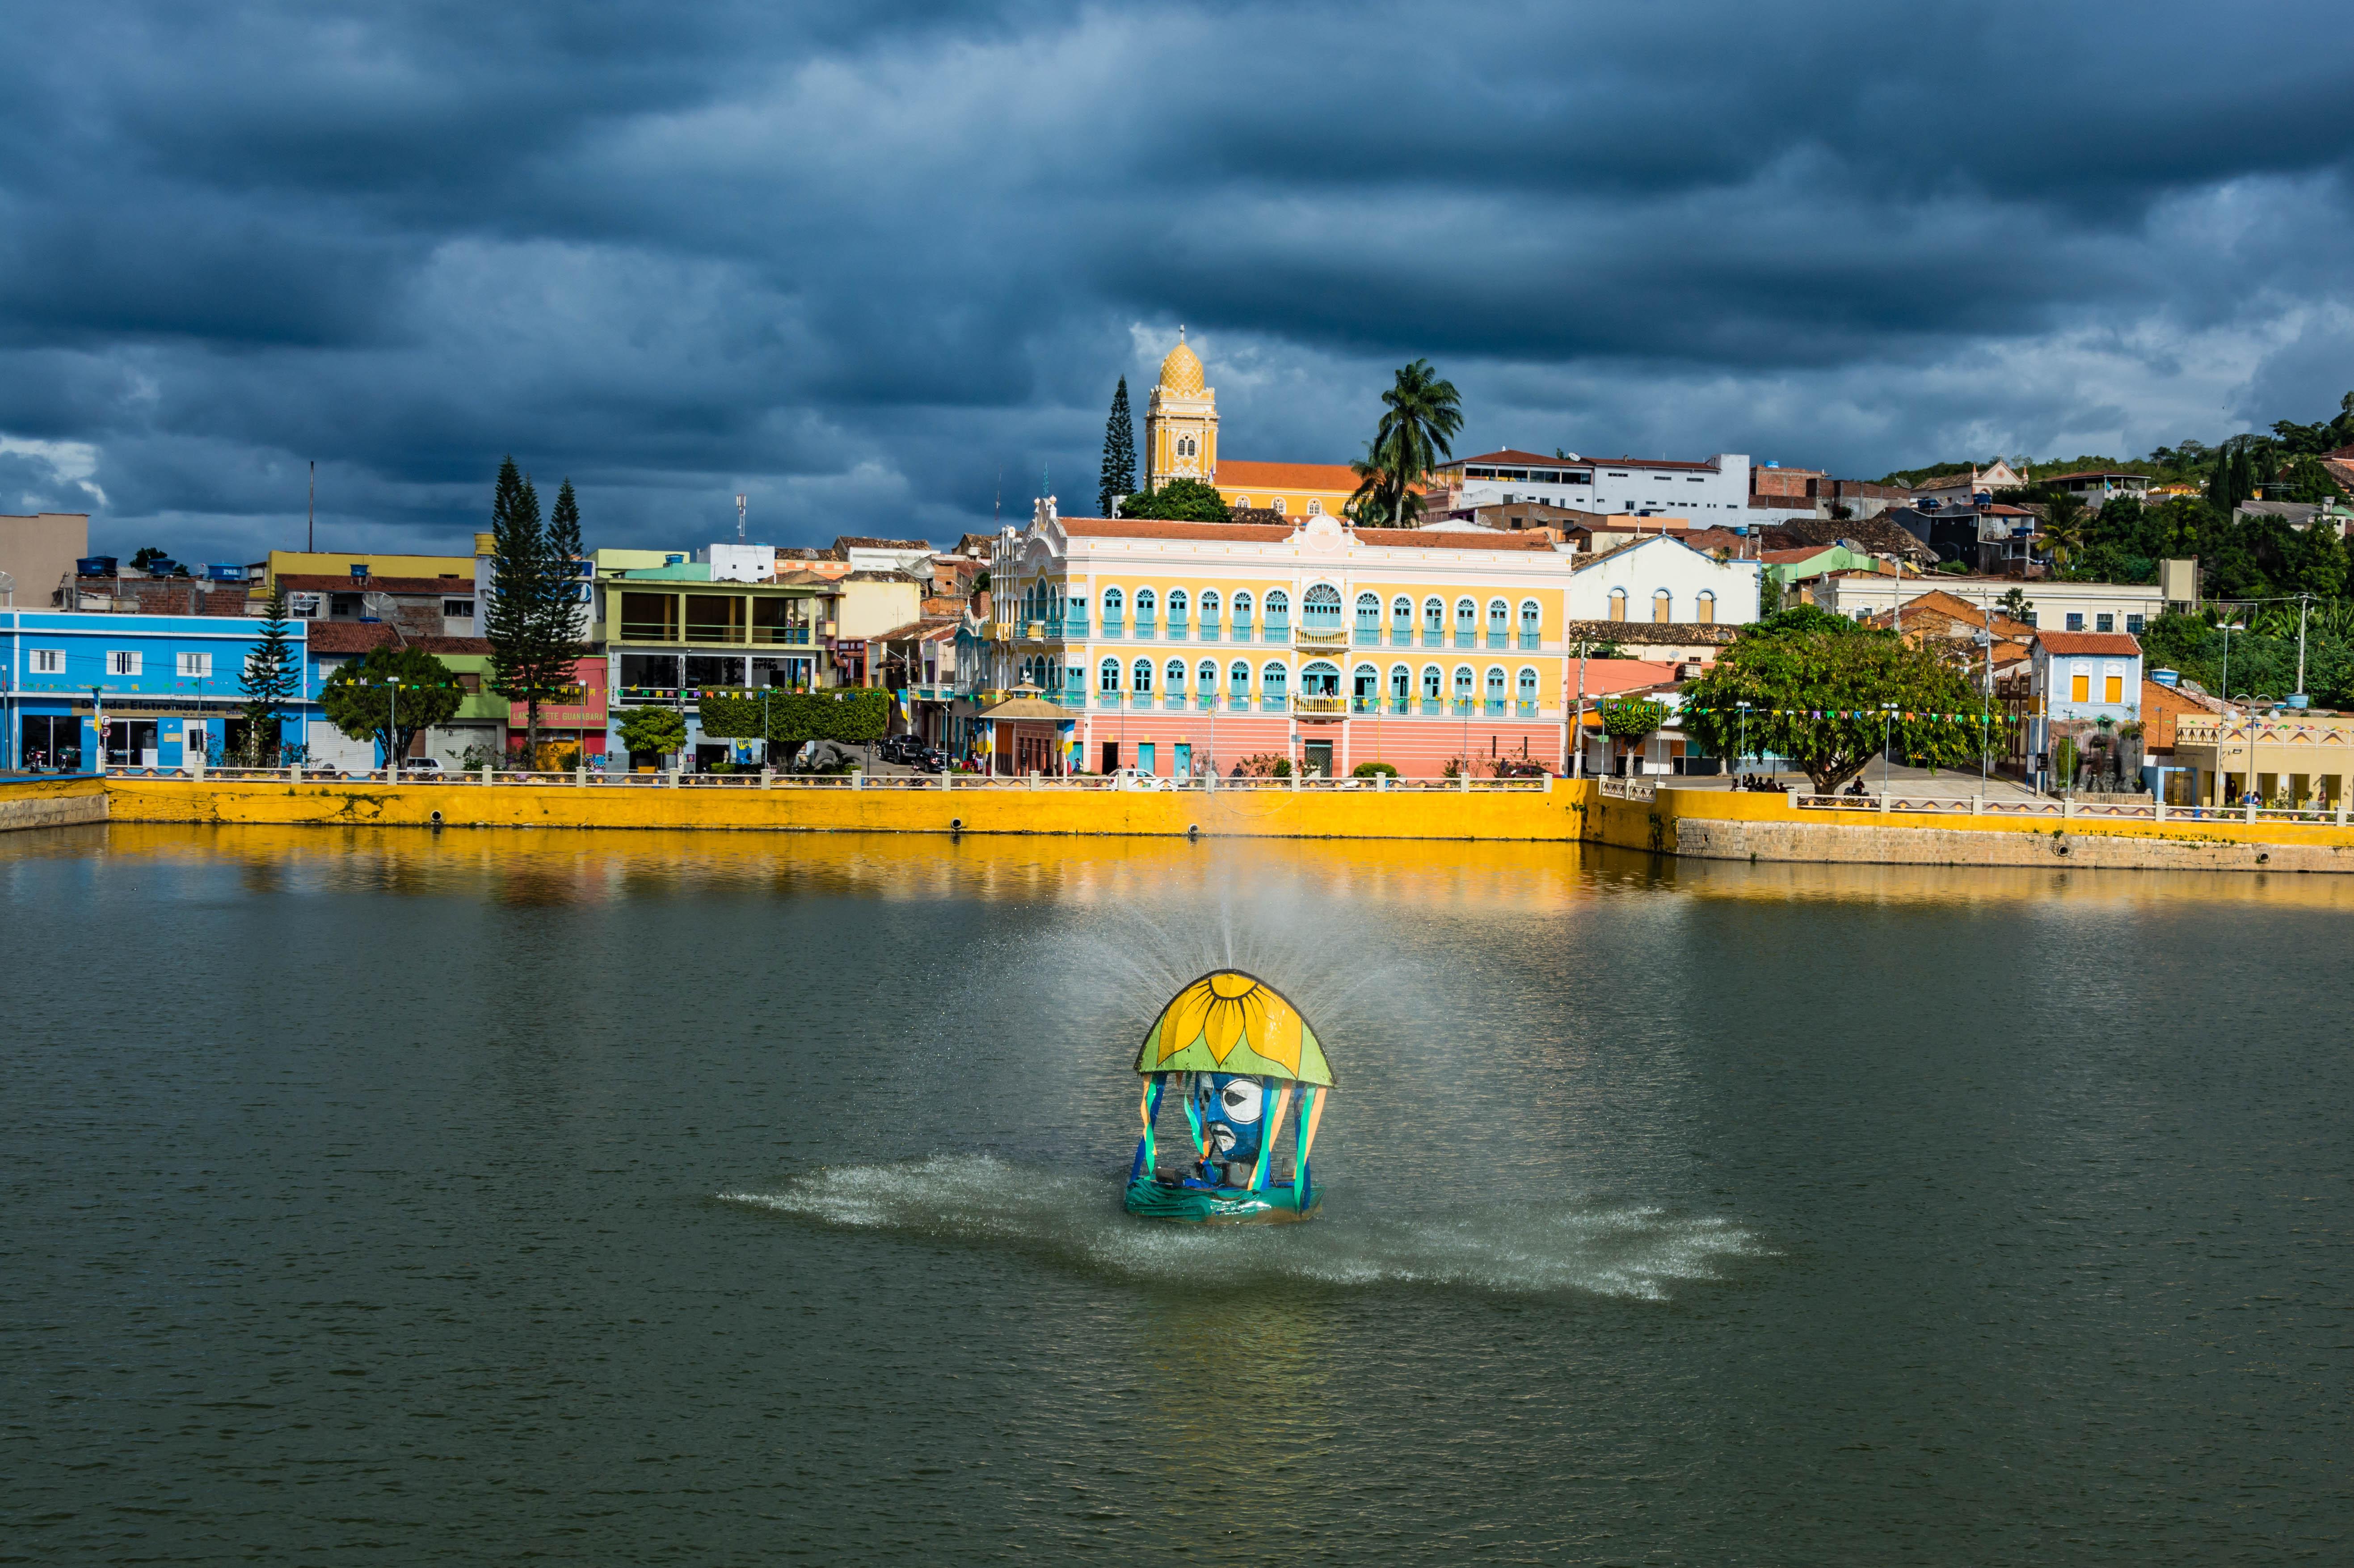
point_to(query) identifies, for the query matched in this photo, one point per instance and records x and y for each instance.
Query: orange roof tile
(1248, 476)
(1153, 528)
(2088, 642)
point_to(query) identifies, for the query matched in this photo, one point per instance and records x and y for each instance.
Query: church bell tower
(1181, 422)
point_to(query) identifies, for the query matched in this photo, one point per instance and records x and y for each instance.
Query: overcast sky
(858, 262)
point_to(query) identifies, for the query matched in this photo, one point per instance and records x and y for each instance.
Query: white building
(2055, 606)
(1665, 581)
(1716, 491)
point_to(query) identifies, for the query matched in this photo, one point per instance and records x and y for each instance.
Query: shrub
(1266, 765)
(1372, 770)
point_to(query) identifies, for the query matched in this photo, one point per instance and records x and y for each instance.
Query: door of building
(49, 742)
(1144, 758)
(1110, 756)
(1184, 760)
(1319, 758)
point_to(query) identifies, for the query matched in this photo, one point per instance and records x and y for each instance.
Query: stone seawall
(1705, 839)
(51, 803)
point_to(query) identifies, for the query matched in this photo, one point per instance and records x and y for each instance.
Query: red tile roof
(1514, 456)
(1235, 474)
(1452, 539)
(1153, 528)
(2116, 642)
(359, 636)
(327, 582)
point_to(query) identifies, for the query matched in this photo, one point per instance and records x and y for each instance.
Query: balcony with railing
(1434, 707)
(1174, 702)
(1432, 637)
(1144, 625)
(1075, 624)
(1320, 636)
(1274, 704)
(1369, 636)
(1277, 629)
(1205, 701)
(1176, 625)
(1466, 638)
(1496, 706)
(1498, 638)
(1306, 703)
(1525, 708)
(1365, 705)
(1530, 641)
(1239, 703)
(1209, 631)
(1112, 623)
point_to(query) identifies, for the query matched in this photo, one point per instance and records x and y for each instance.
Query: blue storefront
(166, 687)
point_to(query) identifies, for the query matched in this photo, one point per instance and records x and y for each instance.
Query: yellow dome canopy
(1230, 1021)
(1182, 372)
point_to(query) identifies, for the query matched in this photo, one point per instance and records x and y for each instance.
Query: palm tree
(1423, 412)
(1378, 503)
(2063, 528)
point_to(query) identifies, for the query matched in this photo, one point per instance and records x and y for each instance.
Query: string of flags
(1908, 714)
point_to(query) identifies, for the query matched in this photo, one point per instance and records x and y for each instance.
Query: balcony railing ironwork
(1318, 704)
(1272, 705)
(1530, 641)
(1498, 638)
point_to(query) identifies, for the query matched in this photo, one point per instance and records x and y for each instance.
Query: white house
(2052, 604)
(1716, 491)
(1667, 581)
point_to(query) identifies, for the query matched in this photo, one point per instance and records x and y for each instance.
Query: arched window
(1140, 677)
(1434, 623)
(1495, 688)
(1660, 605)
(1319, 610)
(1177, 608)
(1500, 623)
(1364, 689)
(1528, 692)
(1704, 611)
(1401, 684)
(1369, 617)
(1274, 681)
(1239, 681)
(1145, 605)
(1112, 605)
(1315, 508)
(1618, 604)
(1532, 620)
(1175, 676)
(1463, 692)
(1320, 679)
(1242, 617)
(1108, 676)
(1278, 615)
(1241, 503)
(1467, 624)
(1430, 688)
(1278, 506)
(1205, 682)
(1210, 618)
(1402, 621)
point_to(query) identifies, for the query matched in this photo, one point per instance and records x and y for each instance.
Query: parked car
(1129, 778)
(905, 749)
(421, 768)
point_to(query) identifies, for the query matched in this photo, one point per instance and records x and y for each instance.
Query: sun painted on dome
(1233, 1023)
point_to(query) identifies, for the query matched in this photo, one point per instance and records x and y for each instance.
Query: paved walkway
(1901, 781)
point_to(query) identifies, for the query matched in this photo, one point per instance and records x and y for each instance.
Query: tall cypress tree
(1120, 450)
(527, 663)
(269, 681)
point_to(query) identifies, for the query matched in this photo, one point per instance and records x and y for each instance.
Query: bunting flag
(1909, 715)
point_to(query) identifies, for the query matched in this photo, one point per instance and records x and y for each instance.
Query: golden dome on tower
(1180, 373)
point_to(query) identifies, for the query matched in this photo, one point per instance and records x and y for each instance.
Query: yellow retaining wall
(51, 803)
(1254, 813)
(1708, 824)
(1719, 824)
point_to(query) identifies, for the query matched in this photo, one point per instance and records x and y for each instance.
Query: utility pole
(739, 519)
(2304, 600)
(311, 518)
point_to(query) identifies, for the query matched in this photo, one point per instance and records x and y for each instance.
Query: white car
(1129, 778)
(420, 768)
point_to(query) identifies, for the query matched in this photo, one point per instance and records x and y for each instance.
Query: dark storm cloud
(860, 261)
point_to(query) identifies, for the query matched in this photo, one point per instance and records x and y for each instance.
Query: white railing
(900, 782)
(2064, 810)
(1628, 789)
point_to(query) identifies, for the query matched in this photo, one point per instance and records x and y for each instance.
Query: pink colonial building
(1177, 647)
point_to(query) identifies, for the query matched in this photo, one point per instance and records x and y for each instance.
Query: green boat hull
(1226, 1206)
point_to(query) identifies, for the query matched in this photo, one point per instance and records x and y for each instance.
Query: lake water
(380, 1197)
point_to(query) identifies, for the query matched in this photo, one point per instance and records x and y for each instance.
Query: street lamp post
(1744, 751)
(1887, 716)
(392, 737)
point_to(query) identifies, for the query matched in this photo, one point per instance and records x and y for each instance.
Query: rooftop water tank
(2166, 677)
(94, 566)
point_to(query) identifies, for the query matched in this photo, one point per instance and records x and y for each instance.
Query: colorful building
(143, 691)
(670, 631)
(1183, 646)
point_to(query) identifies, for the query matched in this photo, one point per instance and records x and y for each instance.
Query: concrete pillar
(580, 773)
(768, 778)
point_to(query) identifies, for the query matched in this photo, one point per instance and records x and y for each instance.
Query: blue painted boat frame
(1196, 1203)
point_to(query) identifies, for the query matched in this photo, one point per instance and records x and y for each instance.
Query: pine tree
(527, 661)
(271, 680)
(1119, 451)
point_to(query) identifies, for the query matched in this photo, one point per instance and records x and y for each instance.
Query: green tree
(1819, 698)
(531, 625)
(1380, 502)
(271, 679)
(1118, 476)
(2018, 606)
(1421, 414)
(1179, 501)
(658, 730)
(388, 697)
(2063, 532)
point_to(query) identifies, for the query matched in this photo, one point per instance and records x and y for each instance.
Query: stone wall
(51, 803)
(1705, 839)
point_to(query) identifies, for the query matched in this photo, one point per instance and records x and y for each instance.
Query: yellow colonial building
(1175, 647)
(1180, 441)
